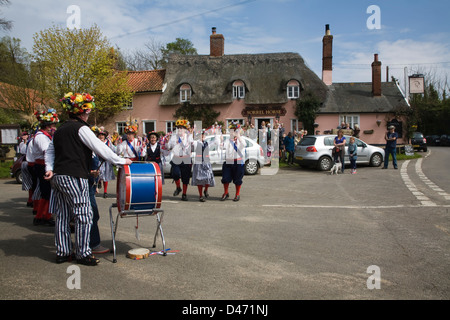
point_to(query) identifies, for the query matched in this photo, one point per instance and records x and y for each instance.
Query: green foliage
(181, 46)
(203, 113)
(80, 60)
(306, 110)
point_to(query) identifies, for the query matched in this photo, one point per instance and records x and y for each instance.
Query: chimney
(327, 56)
(376, 76)
(217, 44)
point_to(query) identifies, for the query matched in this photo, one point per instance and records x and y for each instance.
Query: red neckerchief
(46, 133)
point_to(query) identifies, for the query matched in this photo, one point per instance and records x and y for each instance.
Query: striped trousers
(70, 200)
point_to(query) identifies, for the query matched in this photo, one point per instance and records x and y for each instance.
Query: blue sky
(412, 34)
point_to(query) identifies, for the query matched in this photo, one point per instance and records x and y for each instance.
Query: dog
(336, 168)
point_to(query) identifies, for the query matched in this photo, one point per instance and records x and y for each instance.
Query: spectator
(290, 145)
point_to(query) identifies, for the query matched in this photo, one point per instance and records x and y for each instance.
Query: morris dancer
(202, 173)
(155, 152)
(233, 167)
(68, 163)
(131, 148)
(47, 123)
(106, 169)
(180, 144)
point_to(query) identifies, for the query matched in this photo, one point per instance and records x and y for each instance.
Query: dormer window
(185, 93)
(238, 90)
(293, 89)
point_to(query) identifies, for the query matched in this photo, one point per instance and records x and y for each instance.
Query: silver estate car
(254, 156)
(316, 151)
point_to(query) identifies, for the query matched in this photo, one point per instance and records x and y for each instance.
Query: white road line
(424, 200)
(428, 182)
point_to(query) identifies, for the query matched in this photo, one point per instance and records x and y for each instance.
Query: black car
(419, 142)
(445, 140)
(433, 140)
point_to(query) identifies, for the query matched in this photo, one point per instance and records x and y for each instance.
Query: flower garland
(78, 103)
(49, 116)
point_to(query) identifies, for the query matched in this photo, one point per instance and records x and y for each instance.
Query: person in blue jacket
(289, 145)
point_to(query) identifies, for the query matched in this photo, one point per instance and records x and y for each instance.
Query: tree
(306, 110)
(181, 46)
(5, 24)
(80, 60)
(149, 58)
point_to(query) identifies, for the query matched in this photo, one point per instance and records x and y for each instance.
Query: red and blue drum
(139, 186)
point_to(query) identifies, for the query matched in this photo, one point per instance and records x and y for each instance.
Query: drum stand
(133, 213)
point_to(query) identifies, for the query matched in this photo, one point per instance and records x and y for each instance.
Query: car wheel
(325, 163)
(19, 176)
(251, 167)
(376, 160)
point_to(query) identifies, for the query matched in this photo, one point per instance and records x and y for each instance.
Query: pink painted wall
(368, 122)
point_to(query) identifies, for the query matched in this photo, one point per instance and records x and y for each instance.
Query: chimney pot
(213, 30)
(217, 44)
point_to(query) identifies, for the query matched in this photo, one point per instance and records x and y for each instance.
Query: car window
(417, 135)
(307, 141)
(328, 141)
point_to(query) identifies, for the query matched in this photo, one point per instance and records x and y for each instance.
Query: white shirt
(231, 153)
(92, 142)
(40, 145)
(180, 145)
(125, 151)
(30, 156)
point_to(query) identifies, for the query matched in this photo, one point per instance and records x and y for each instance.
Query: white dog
(336, 168)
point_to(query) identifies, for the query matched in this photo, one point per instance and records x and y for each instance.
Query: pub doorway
(266, 120)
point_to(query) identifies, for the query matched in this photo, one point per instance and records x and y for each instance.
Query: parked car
(433, 140)
(444, 140)
(16, 169)
(419, 142)
(254, 156)
(315, 150)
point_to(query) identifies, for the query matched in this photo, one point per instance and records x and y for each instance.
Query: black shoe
(88, 261)
(202, 199)
(177, 192)
(206, 194)
(237, 198)
(184, 197)
(37, 222)
(50, 222)
(30, 204)
(105, 195)
(62, 259)
(384, 168)
(225, 197)
(395, 168)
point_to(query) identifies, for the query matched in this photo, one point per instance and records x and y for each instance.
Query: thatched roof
(265, 77)
(358, 98)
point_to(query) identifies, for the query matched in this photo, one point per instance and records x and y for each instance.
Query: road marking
(424, 204)
(428, 182)
(424, 200)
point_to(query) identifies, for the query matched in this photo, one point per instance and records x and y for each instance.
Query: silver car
(316, 151)
(254, 156)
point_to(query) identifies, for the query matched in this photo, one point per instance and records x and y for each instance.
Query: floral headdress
(47, 117)
(131, 128)
(78, 103)
(182, 123)
(234, 126)
(95, 129)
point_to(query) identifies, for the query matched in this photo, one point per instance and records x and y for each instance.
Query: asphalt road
(299, 234)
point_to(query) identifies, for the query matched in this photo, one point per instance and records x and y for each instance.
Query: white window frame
(185, 93)
(129, 105)
(144, 125)
(238, 91)
(294, 125)
(170, 126)
(293, 89)
(120, 127)
(351, 119)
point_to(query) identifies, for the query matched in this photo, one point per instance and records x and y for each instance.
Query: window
(149, 126)
(230, 121)
(294, 125)
(128, 105)
(185, 93)
(351, 119)
(238, 90)
(170, 125)
(293, 89)
(120, 127)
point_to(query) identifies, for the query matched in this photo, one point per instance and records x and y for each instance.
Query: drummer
(132, 148)
(180, 145)
(154, 151)
(68, 162)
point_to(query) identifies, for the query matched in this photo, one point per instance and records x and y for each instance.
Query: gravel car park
(315, 151)
(254, 156)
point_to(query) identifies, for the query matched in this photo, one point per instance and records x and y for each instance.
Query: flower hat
(47, 117)
(182, 123)
(131, 128)
(95, 129)
(78, 103)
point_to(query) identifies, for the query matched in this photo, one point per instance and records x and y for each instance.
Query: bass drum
(139, 186)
